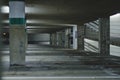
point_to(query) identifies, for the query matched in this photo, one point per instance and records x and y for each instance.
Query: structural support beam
(59, 38)
(50, 39)
(67, 41)
(18, 36)
(81, 36)
(104, 36)
(63, 38)
(75, 37)
(54, 39)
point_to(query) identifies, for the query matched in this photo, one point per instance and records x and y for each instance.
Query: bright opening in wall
(4, 9)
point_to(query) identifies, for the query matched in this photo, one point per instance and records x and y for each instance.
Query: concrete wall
(39, 38)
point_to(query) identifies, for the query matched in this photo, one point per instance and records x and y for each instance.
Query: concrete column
(66, 38)
(81, 36)
(54, 39)
(59, 38)
(63, 38)
(75, 37)
(104, 36)
(50, 39)
(18, 37)
(69, 37)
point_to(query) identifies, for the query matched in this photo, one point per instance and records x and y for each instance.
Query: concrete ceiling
(62, 12)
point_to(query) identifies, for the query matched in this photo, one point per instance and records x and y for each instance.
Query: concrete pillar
(63, 38)
(104, 36)
(81, 36)
(70, 39)
(54, 39)
(57, 41)
(66, 38)
(75, 37)
(50, 39)
(59, 37)
(18, 37)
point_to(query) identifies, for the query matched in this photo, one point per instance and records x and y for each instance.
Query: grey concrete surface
(18, 42)
(62, 78)
(58, 64)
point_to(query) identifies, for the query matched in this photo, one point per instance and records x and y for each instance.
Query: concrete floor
(53, 63)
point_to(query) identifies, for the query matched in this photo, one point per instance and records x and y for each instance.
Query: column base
(17, 67)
